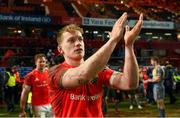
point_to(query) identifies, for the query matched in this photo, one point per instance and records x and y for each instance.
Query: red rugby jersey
(82, 101)
(39, 87)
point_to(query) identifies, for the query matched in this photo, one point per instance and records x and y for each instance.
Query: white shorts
(43, 111)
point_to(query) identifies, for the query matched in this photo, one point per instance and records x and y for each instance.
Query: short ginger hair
(40, 55)
(68, 28)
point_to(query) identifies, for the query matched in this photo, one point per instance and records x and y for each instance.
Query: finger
(119, 20)
(122, 19)
(109, 34)
(141, 16)
(127, 28)
(138, 25)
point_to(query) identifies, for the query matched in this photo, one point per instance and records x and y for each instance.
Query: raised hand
(118, 28)
(130, 35)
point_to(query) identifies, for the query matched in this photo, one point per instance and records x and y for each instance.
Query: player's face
(41, 63)
(14, 70)
(72, 46)
(152, 62)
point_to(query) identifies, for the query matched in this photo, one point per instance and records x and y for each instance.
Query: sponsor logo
(83, 97)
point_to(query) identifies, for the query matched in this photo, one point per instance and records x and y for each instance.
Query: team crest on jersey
(36, 79)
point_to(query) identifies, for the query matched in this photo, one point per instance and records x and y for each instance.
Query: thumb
(127, 28)
(109, 34)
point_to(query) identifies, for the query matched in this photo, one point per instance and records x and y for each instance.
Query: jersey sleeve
(28, 79)
(55, 74)
(105, 76)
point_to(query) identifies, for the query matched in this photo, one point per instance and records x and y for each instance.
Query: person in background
(134, 101)
(143, 77)
(76, 85)
(19, 82)
(168, 82)
(36, 82)
(10, 85)
(158, 89)
(149, 90)
(29, 105)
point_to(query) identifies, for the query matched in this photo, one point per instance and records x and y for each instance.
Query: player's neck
(74, 62)
(40, 69)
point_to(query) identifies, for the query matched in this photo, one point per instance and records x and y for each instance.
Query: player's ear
(60, 50)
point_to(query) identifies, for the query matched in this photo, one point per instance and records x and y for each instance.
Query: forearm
(131, 71)
(99, 60)
(23, 100)
(154, 80)
(130, 77)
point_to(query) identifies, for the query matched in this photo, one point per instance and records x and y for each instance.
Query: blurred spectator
(150, 96)
(51, 56)
(176, 77)
(29, 105)
(143, 76)
(134, 101)
(168, 82)
(10, 83)
(18, 86)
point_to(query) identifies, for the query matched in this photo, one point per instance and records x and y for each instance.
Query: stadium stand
(30, 37)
